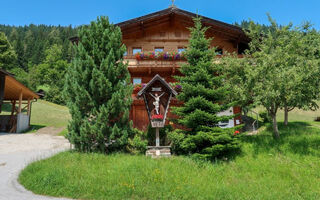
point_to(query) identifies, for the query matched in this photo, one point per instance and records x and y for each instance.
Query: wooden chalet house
(155, 45)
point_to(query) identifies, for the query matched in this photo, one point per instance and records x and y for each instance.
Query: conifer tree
(204, 94)
(98, 90)
(8, 57)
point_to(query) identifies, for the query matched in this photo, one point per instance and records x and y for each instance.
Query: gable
(178, 19)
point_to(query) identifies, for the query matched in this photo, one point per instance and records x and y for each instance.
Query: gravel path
(17, 151)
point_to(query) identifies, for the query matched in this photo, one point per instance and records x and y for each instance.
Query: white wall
(228, 124)
(22, 122)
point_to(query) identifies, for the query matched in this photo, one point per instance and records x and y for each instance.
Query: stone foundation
(157, 152)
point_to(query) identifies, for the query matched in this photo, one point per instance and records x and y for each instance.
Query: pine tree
(204, 94)
(98, 90)
(8, 57)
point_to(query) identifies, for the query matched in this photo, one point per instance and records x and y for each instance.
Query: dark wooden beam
(145, 26)
(2, 84)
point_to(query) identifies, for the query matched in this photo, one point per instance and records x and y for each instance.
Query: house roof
(2, 71)
(154, 79)
(169, 14)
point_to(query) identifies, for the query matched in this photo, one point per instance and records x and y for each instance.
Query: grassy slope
(267, 169)
(44, 114)
(49, 114)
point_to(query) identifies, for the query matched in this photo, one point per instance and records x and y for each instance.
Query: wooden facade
(167, 30)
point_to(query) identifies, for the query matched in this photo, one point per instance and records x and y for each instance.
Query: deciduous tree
(280, 70)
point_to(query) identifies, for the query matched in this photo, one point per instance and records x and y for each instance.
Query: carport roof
(13, 88)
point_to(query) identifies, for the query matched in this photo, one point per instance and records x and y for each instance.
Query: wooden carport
(20, 97)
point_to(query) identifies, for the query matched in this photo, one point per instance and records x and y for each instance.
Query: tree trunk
(286, 119)
(275, 126)
(245, 111)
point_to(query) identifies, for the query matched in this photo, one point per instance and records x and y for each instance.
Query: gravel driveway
(16, 151)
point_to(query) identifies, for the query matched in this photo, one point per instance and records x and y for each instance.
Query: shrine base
(157, 152)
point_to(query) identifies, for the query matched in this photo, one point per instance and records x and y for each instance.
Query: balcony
(134, 62)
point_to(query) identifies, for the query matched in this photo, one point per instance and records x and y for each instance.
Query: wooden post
(13, 107)
(2, 86)
(20, 102)
(28, 111)
(157, 137)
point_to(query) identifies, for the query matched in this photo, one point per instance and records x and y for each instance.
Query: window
(136, 81)
(158, 49)
(181, 49)
(219, 51)
(136, 50)
(242, 47)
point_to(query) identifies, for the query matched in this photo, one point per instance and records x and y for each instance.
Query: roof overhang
(169, 15)
(13, 88)
(157, 77)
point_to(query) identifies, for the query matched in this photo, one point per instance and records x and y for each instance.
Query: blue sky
(77, 12)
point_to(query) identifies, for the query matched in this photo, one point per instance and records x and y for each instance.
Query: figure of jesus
(156, 102)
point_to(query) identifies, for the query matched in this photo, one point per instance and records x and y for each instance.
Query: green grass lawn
(266, 169)
(49, 114)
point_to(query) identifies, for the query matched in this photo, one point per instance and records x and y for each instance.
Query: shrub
(207, 144)
(54, 94)
(137, 144)
(176, 138)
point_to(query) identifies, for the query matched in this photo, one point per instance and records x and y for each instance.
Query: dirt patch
(50, 130)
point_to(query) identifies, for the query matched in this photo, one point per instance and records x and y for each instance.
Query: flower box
(173, 56)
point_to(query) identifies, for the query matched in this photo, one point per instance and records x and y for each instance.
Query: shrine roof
(154, 79)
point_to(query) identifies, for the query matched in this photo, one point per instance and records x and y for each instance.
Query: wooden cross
(172, 3)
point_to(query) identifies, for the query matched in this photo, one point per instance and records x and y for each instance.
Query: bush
(176, 138)
(137, 144)
(208, 145)
(54, 95)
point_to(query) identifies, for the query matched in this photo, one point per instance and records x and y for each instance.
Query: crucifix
(156, 103)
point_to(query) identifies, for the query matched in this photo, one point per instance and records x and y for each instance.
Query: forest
(41, 55)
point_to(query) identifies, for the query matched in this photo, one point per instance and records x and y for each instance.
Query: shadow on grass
(298, 138)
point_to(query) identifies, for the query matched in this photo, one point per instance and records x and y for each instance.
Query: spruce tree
(98, 90)
(8, 57)
(204, 94)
